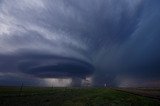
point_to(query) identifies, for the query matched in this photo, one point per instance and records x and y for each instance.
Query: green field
(30, 96)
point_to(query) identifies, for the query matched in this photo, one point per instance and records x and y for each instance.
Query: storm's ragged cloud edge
(116, 40)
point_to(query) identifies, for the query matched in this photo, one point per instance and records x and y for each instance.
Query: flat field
(34, 96)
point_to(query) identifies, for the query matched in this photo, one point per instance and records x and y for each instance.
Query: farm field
(34, 96)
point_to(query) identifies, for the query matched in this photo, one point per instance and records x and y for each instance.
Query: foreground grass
(71, 97)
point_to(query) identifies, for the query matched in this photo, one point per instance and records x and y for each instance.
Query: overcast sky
(62, 42)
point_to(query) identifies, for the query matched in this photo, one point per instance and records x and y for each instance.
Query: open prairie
(34, 96)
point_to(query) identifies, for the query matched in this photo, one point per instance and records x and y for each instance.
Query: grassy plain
(32, 96)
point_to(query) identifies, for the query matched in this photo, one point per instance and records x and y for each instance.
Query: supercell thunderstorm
(63, 42)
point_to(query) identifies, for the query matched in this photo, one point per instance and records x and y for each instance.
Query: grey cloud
(111, 37)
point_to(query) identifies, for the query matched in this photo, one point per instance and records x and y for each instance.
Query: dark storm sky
(113, 41)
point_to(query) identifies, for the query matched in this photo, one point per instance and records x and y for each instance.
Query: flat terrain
(30, 96)
(147, 92)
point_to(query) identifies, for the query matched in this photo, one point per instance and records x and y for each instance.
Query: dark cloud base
(57, 67)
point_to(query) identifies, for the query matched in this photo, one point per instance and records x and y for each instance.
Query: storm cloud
(108, 41)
